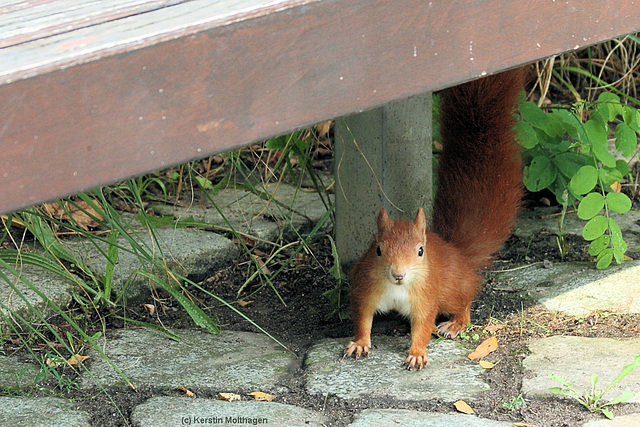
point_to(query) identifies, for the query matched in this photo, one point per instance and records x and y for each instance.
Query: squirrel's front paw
(357, 349)
(416, 362)
(450, 329)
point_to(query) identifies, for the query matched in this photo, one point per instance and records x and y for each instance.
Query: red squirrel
(422, 273)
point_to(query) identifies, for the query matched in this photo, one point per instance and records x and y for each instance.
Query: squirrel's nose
(398, 276)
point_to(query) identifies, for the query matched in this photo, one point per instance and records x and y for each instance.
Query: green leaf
(595, 228)
(584, 180)
(556, 390)
(622, 167)
(616, 235)
(569, 163)
(590, 206)
(626, 139)
(618, 202)
(607, 413)
(535, 116)
(626, 395)
(597, 134)
(609, 175)
(571, 123)
(539, 174)
(599, 244)
(631, 117)
(604, 259)
(609, 105)
(527, 137)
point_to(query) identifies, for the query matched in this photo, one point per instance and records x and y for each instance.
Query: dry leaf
(150, 308)
(616, 187)
(524, 425)
(53, 363)
(461, 406)
(493, 328)
(244, 303)
(263, 267)
(323, 128)
(82, 213)
(258, 252)
(229, 397)
(486, 365)
(488, 346)
(628, 258)
(14, 222)
(76, 359)
(187, 392)
(258, 395)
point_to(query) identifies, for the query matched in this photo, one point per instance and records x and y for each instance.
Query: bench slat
(118, 99)
(25, 21)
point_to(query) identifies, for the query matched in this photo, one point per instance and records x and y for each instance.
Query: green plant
(466, 336)
(592, 398)
(514, 403)
(572, 158)
(337, 296)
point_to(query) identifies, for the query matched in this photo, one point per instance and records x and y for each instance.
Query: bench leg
(382, 158)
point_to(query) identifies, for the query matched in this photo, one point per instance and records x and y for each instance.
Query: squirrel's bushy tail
(480, 170)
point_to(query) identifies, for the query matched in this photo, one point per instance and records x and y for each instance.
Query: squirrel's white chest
(395, 297)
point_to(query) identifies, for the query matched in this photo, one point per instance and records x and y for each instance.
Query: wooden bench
(94, 92)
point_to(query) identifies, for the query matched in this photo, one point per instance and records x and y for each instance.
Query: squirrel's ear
(383, 219)
(420, 221)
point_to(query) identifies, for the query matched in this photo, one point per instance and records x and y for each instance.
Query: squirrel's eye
(379, 251)
(420, 251)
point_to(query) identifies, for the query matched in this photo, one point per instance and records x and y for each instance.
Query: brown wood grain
(208, 83)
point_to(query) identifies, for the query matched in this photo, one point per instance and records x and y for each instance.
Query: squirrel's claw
(353, 349)
(450, 329)
(416, 362)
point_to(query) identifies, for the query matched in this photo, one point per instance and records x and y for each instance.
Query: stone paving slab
(408, 418)
(175, 411)
(188, 252)
(630, 420)
(449, 376)
(231, 361)
(41, 412)
(578, 288)
(251, 213)
(54, 287)
(15, 374)
(576, 359)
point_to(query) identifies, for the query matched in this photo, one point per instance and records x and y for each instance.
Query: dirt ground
(305, 317)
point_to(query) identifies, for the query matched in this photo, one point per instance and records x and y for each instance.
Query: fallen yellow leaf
(486, 365)
(524, 425)
(80, 213)
(493, 328)
(487, 346)
(150, 308)
(229, 397)
(323, 128)
(187, 392)
(244, 303)
(53, 363)
(462, 406)
(258, 395)
(76, 359)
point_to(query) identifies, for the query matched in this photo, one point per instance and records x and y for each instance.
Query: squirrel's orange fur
(421, 273)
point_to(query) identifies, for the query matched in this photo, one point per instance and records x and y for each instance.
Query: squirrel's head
(401, 246)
